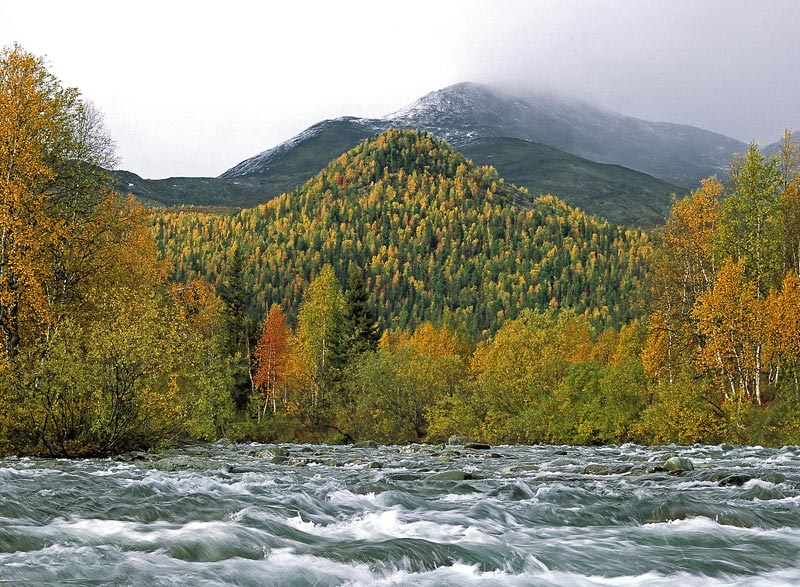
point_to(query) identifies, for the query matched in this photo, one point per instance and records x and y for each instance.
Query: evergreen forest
(401, 295)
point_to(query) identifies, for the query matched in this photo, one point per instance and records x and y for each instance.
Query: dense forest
(401, 295)
(433, 233)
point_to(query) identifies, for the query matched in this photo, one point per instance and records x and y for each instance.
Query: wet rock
(272, 451)
(518, 469)
(457, 440)
(366, 444)
(184, 463)
(279, 460)
(678, 465)
(411, 449)
(450, 476)
(448, 455)
(734, 480)
(136, 455)
(243, 469)
(374, 465)
(606, 469)
(477, 446)
(403, 477)
(775, 478)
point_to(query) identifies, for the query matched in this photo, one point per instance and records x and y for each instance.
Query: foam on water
(530, 517)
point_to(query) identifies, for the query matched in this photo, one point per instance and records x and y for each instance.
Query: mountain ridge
(472, 116)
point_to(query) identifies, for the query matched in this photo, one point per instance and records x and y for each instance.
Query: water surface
(259, 515)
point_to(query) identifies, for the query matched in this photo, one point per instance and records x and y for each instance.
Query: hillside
(676, 153)
(649, 161)
(202, 191)
(434, 234)
(609, 191)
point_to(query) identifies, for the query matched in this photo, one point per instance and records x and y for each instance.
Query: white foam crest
(463, 575)
(251, 480)
(344, 497)
(705, 525)
(763, 484)
(690, 485)
(463, 497)
(113, 470)
(388, 524)
(191, 482)
(27, 471)
(90, 530)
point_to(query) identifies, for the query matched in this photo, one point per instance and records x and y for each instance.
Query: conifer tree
(357, 332)
(235, 296)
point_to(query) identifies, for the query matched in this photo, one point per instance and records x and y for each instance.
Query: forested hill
(433, 233)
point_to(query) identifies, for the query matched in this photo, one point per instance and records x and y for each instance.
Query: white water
(531, 516)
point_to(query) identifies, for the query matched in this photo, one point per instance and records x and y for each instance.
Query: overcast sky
(192, 88)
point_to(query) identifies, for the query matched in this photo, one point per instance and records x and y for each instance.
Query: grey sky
(190, 88)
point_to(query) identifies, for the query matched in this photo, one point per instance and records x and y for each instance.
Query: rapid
(423, 515)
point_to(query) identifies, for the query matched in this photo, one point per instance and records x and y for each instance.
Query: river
(311, 515)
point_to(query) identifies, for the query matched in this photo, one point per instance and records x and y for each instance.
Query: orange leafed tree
(271, 355)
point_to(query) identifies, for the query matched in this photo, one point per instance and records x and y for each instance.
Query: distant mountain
(202, 191)
(676, 153)
(433, 233)
(545, 143)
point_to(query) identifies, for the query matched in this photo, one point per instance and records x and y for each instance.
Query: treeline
(433, 234)
(546, 376)
(724, 322)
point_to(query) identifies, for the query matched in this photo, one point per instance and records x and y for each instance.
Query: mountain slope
(433, 233)
(610, 191)
(202, 191)
(474, 118)
(676, 153)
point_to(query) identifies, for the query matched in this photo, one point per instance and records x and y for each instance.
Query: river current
(311, 515)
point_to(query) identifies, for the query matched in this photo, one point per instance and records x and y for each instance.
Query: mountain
(466, 112)
(204, 191)
(617, 193)
(676, 153)
(434, 234)
(545, 143)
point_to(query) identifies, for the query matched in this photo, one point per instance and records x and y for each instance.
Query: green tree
(751, 227)
(236, 297)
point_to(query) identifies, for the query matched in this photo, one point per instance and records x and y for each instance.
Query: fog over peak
(196, 89)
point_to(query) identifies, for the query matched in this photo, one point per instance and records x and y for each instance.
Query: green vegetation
(613, 192)
(434, 234)
(411, 296)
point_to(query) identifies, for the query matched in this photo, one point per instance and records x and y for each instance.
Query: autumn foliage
(97, 353)
(411, 296)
